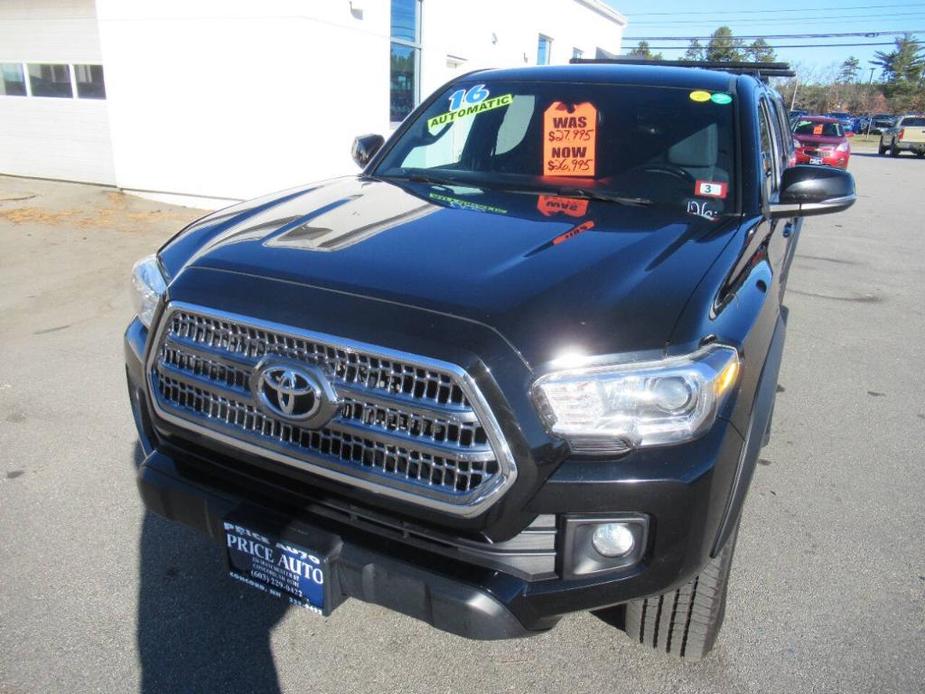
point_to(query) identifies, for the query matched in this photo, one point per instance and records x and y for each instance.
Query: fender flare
(762, 408)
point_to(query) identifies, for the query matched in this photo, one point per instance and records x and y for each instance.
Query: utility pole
(793, 100)
(870, 100)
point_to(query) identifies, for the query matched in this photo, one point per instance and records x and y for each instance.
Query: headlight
(148, 287)
(609, 409)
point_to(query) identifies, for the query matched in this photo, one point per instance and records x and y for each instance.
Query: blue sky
(761, 17)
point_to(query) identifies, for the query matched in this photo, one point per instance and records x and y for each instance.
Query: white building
(227, 99)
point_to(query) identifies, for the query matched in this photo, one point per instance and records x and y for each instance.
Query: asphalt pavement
(827, 589)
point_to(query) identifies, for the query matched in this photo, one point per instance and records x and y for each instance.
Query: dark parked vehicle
(521, 365)
(843, 117)
(880, 122)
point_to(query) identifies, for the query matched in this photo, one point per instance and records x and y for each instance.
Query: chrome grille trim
(411, 427)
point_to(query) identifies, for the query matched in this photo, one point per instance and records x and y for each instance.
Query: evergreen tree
(694, 51)
(849, 70)
(642, 50)
(760, 52)
(724, 47)
(904, 65)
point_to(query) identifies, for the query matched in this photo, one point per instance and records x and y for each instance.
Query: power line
(725, 11)
(842, 19)
(788, 45)
(829, 35)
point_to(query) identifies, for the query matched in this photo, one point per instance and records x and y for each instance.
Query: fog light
(613, 539)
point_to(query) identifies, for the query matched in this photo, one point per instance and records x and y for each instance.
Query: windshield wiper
(604, 196)
(432, 180)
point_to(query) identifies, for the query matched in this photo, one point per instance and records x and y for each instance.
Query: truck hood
(550, 274)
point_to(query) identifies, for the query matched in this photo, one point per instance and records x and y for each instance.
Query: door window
(769, 159)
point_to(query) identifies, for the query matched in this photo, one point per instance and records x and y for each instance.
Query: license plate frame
(815, 160)
(294, 569)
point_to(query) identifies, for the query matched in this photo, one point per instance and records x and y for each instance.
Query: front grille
(408, 426)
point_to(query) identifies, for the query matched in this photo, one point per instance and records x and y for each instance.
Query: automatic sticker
(469, 102)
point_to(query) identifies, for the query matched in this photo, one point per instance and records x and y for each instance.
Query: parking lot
(828, 587)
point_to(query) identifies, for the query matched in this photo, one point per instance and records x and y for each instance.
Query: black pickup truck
(521, 365)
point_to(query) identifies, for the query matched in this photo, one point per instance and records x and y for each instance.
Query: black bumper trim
(442, 602)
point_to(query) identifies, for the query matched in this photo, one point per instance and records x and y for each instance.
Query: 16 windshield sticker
(469, 102)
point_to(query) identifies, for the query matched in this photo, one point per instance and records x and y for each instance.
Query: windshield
(633, 144)
(913, 122)
(810, 127)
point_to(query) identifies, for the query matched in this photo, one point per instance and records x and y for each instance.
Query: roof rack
(762, 71)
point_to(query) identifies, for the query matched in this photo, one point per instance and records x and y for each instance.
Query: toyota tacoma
(521, 365)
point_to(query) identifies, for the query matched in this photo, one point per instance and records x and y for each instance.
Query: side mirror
(812, 190)
(364, 147)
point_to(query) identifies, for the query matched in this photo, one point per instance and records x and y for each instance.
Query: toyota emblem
(294, 392)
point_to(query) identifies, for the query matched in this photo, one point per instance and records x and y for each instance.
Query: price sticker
(569, 140)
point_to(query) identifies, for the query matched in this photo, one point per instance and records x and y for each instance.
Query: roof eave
(606, 10)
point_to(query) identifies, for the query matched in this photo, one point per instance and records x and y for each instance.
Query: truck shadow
(198, 631)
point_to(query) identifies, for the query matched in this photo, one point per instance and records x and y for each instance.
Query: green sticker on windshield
(721, 98)
(466, 111)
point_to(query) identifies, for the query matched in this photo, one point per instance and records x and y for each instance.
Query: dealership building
(206, 101)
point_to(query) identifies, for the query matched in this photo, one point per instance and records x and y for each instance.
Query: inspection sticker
(469, 110)
(569, 139)
(711, 189)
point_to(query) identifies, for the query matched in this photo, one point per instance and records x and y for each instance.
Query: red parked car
(821, 140)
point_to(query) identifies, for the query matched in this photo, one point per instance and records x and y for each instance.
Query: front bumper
(682, 491)
(382, 575)
(838, 159)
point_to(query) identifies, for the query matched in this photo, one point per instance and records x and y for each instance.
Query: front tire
(685, 622)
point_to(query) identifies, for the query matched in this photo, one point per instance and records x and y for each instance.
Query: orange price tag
(549, 205)
(569, 139)
(817, 130)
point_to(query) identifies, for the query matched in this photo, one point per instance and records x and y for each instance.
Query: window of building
(543, 50)
(89, 80)
(578, 53)
(50, 79)
(405, 58)
(12, 81)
